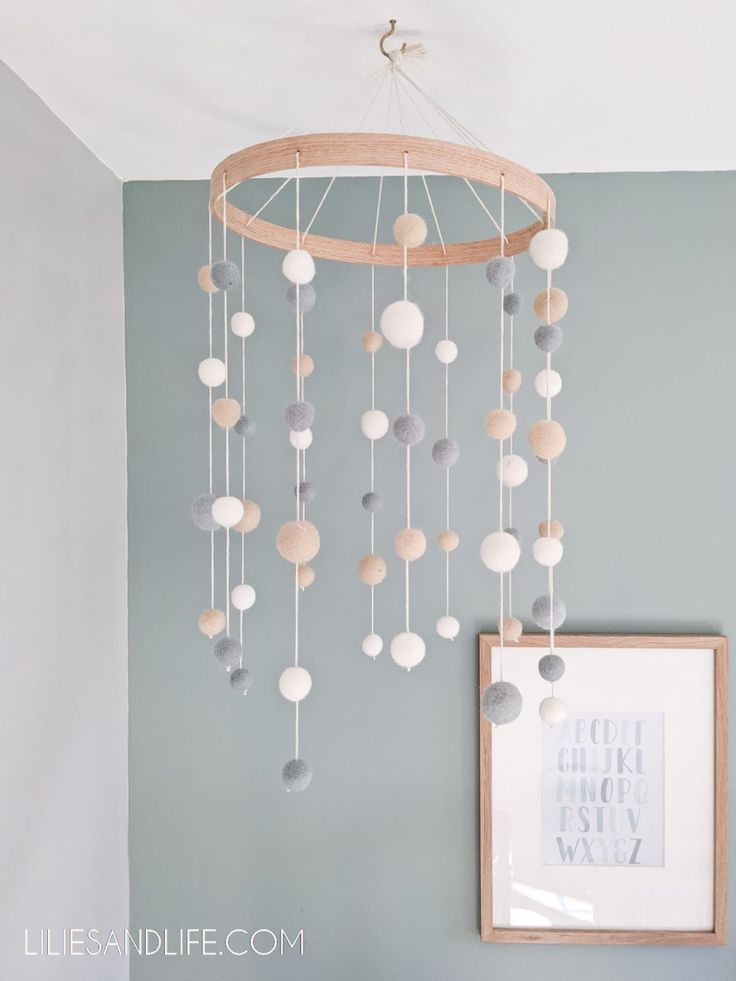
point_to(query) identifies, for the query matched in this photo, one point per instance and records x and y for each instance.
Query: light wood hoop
(381, 150)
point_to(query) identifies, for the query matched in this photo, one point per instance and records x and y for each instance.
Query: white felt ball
(500, 551)
(552, 711)
(410, 231)
(374, 424)
(402, 324)
(295, 684)
(548, 248)
(243, 596)
(547, 551)
(227, 511)
(301, 440)
(512, 470)
(372, 645)
(242, 324)
(548, 383)
(212, 372)
(298, 267)
(448, 627)
(445, 351)
(407, 650)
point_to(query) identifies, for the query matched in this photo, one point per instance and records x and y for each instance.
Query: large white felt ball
(512, 469)
(551, 667)
(241, 680)
(212, 372)
(374, 424)
(202, 512)
(227, 511)
(242, 324)
(552, 711)
(547, 551)
(500, 271)
(372, 645)
(225, 275)
(301, 440)
(541, 612)
(295, 684)
(402, 324)
(298, 267)
(296, 775)
(298, 541)
(501, 702)
(445, 351)
(228, 652)
(407, 650)
(410, 231)
(448, 627)
(548, 383)
(243, 596)
(548, 249)
(500, 551)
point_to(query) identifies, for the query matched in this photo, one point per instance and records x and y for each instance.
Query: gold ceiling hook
(384, 37)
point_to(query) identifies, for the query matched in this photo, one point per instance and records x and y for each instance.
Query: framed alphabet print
(611, 826)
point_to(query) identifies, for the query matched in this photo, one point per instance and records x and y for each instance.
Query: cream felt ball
(372, 502)
(211, 622)
(306, 490)
(445, 351)
(409, 429)
(241, 680)
(226, 412)
(410, 544)
(295, 684)
(301, 440)
(547, 439)
(242, 324)
(298, 541)
(372, 569)
(500, 271)
(408, 650)
(374, 424)
(305, 576)
(512, 304)
(372, 645)
(500, 551)
(500, 423)
(402, 324)
(298, 267)
(225, 274)
(548, 338)
(448, 627)
(302, 366)
(410, 231)
(228, 652)
(204, 278)
(552, 529)
(227, 511)
(552, 711)
(446, 452)
(547, 551)
(551, 305)
(301, 297)
(299, 416)
(511, 380)
(511, 629)
(245, 427)
(202, 512)
(548, 248)
(512, 469)
(243, 596)
(296, 775)
(448, 540)
(501, 703)
(250, 520)
(543, 606)
(212, 372)
(372, 341)
(551, 667)
(548, 383)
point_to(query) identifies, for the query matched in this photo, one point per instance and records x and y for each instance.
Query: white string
(511, 450)
(263, 207)
(209, 390)
(373, 391)
(317, 210)
(482, 203)
(407, 588)
(501, 442)
(227, 430)
(297, 455)
(242, 483)
(447, 430)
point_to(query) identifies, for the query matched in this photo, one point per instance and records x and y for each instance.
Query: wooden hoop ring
(381, 150)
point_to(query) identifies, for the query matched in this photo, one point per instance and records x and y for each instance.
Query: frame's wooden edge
(613, 938)
(720, 803)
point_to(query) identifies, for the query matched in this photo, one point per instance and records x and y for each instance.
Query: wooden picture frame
(490, 932)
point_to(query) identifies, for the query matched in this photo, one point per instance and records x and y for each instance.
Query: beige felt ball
(547, 439)
(372, 570)
(511, 629)
(297, 541)
(204, 278)
(500, 423)
(372, 341)
(448, 540)
(511, 380)
(557, 305)
(305, 575)
(551, 529)
(251, 518)
(226, 412)
(303, 366)
(410, 544)
(410, 231)
(211, 622)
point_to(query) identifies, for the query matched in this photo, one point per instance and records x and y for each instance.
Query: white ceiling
(163, 89)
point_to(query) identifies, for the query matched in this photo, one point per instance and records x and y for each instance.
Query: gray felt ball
(514, 532)
(551, 667)
(240, 680)
(202, 512)
(228, 651)
(307, 491)
(409, 429)
(548, 337)
(307, 297)
(299, 416)
(446, 452)
(501, 702)
(225, 275)
(500, 271)
(372, 501)
(512, 303)
(245, 427)
(541, 612)
(296, 775)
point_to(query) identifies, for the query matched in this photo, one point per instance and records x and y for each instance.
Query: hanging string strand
(297, 453)
(242, 474)
(209, 396)
(407, 584)
(227, 430)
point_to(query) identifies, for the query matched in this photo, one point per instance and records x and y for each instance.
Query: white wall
(63, 607)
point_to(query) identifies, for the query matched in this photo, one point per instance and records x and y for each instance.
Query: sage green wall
(378, 861)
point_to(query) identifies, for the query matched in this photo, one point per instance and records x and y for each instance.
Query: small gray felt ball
(446, 452)
(225, 275)
(307, 491)
(240, 680)
(409, 429)
(541, 612)
(514, 532)
(512, 303)
(202, 512)
(228, 651)
(548, 337)
(296, 775)
(551, 667)
(372, 501)
(501, 702)
(299, 416)
(553, 461)
(245, 427)
(307, 297)
(500, 271)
